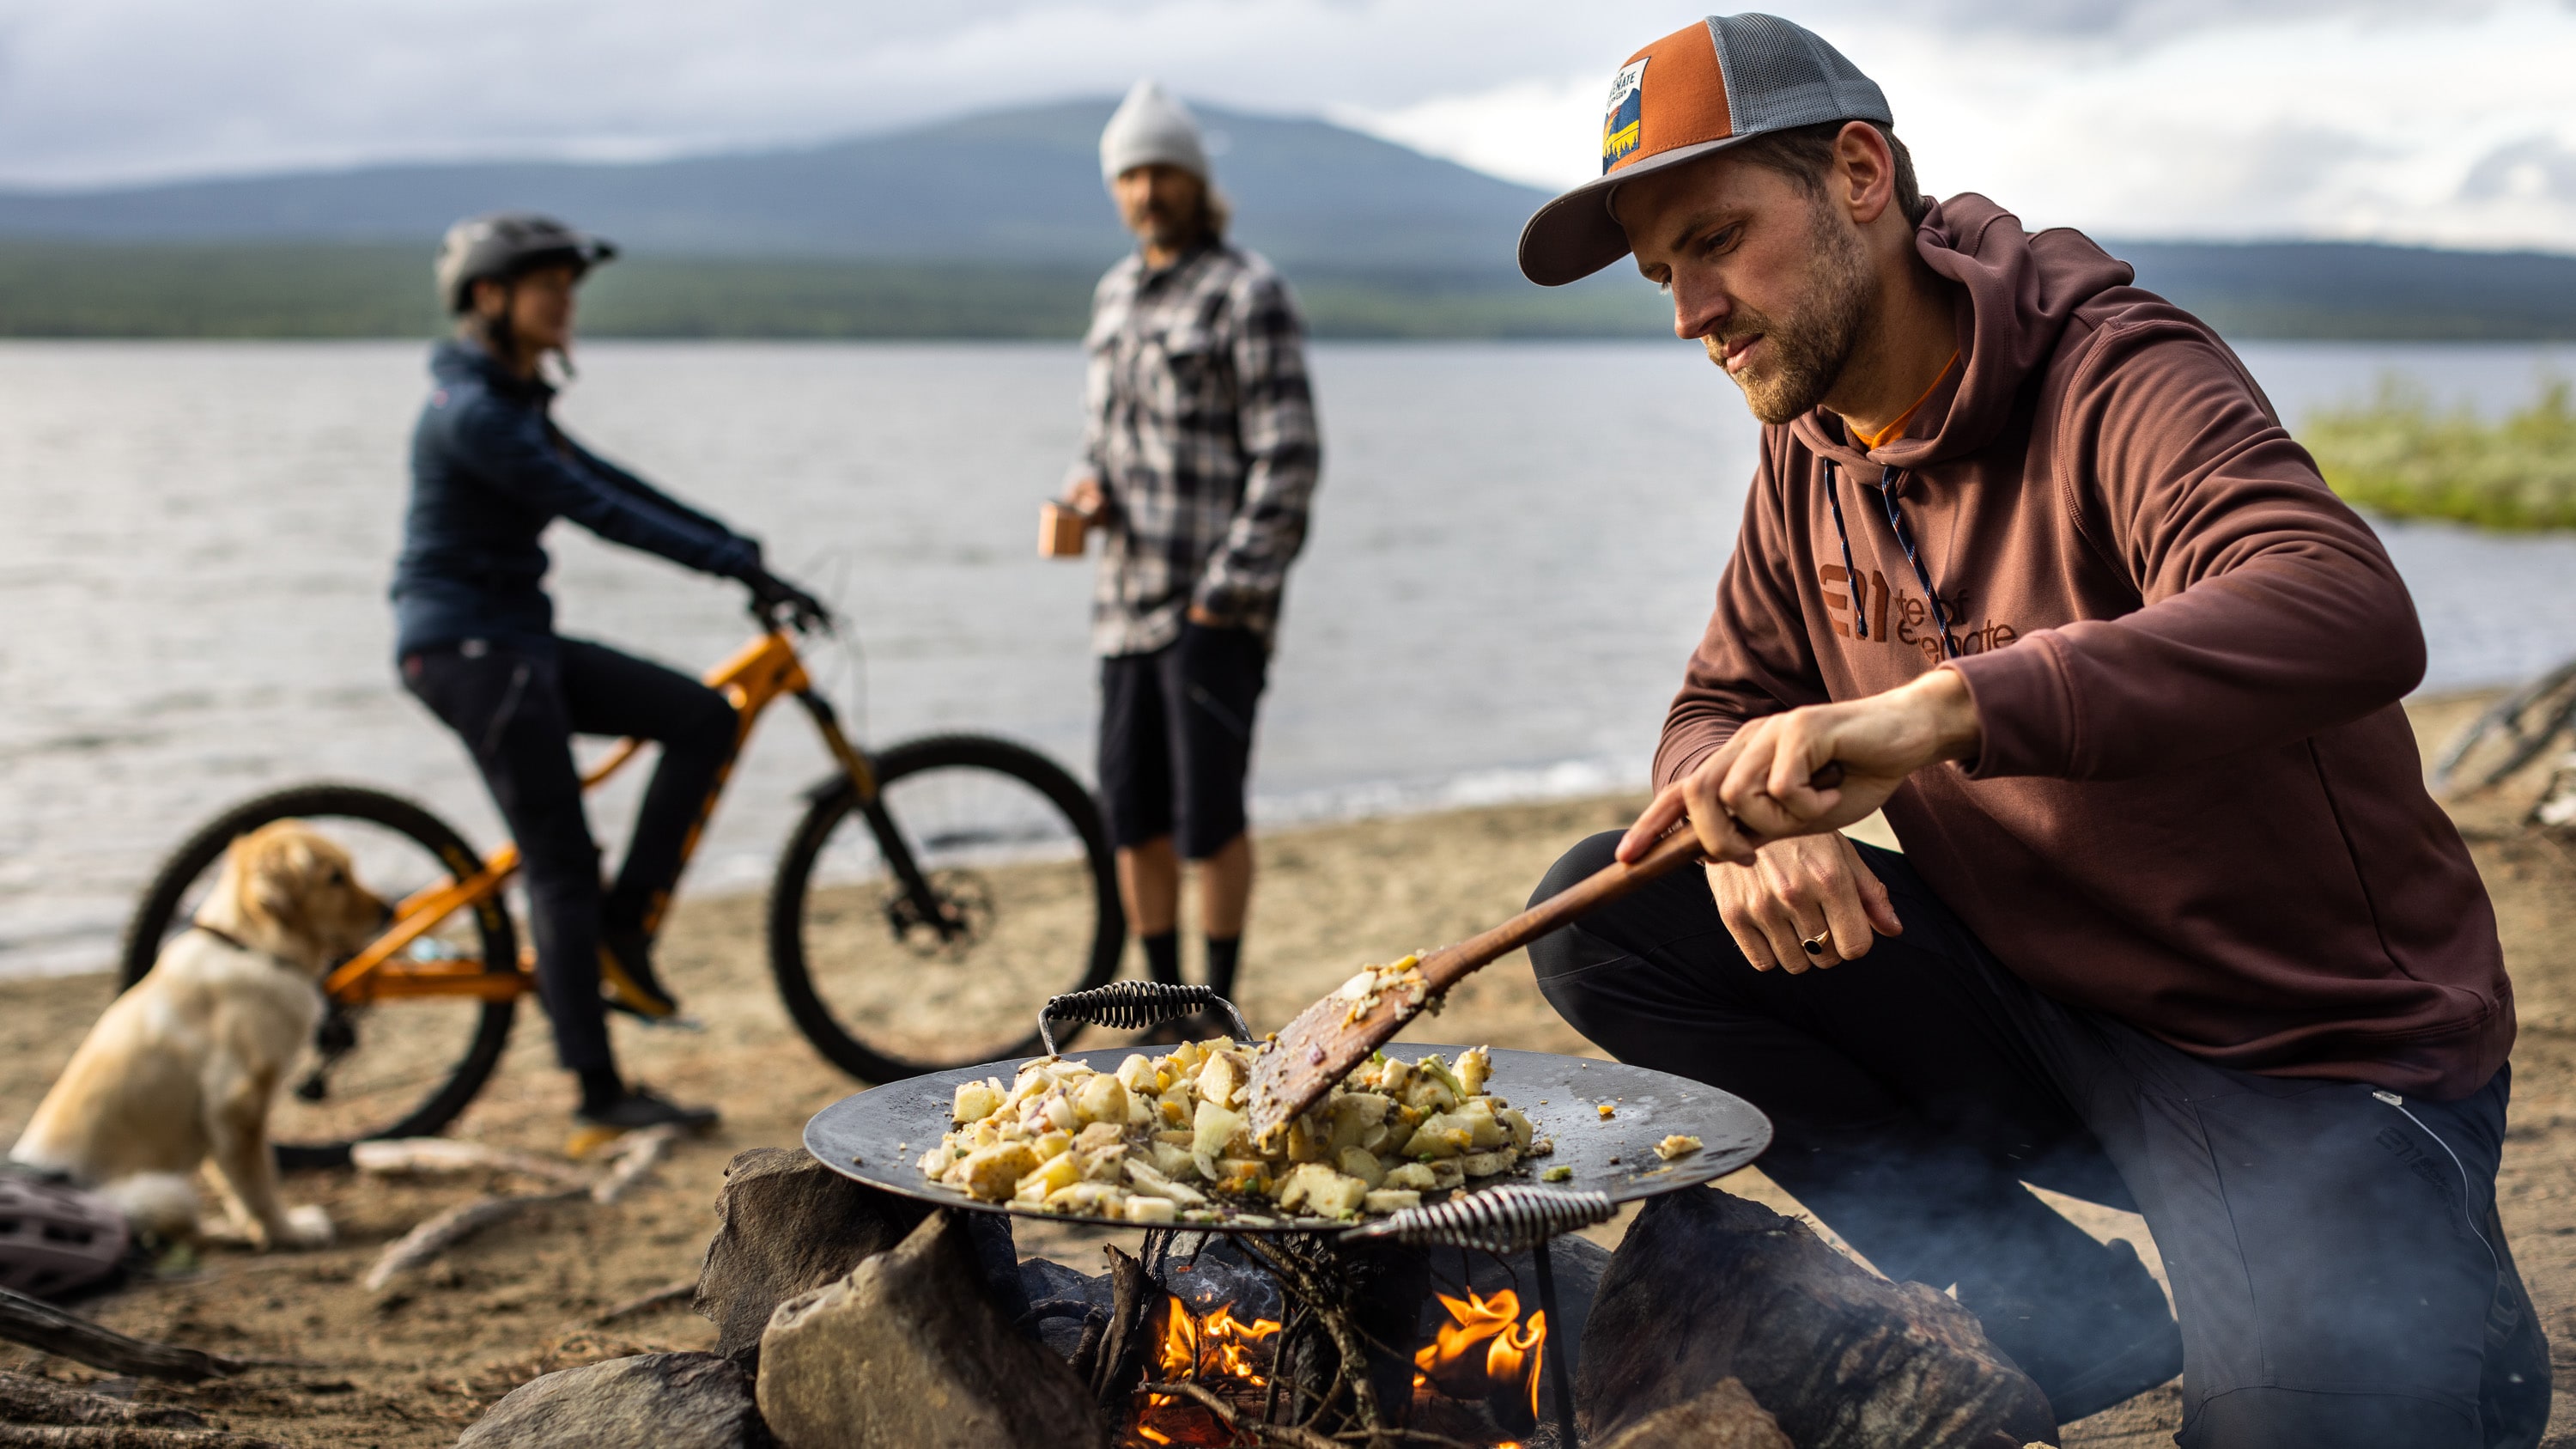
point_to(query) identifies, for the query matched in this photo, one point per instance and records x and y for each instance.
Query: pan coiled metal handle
(1132, 1006)
(1502, 1219)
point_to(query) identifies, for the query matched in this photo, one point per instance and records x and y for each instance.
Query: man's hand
(1797, 890)
(1086, 496)
(1756, 787)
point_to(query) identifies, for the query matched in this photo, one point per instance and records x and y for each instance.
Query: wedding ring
(1816, 943)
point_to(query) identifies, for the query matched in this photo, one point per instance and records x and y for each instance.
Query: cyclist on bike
(490, 470)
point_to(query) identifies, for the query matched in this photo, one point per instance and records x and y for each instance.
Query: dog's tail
(161, 1203)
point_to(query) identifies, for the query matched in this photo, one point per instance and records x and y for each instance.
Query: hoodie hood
(2022, 290)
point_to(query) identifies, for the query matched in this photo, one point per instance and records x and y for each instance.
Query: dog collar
(238, 944)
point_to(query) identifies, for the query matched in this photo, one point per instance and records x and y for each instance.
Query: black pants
(2333, 1249)
(518, 713)
(1176, 738)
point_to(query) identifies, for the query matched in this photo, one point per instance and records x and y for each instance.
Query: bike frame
(765, 670)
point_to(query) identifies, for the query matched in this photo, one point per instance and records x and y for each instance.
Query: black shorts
(1176, 738)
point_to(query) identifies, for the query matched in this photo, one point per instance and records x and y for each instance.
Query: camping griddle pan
(878, 1135)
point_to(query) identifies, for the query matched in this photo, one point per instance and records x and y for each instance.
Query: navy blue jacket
(489, 471)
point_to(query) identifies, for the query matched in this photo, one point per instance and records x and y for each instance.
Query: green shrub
(2398, 455)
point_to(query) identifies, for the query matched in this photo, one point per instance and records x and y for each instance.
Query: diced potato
(1475, 1068)
(982, 1134)
(1101, 1164)
(1181, 1136)
(1060, 1171)
(1174, 1108)
(1099, 1135)
(1089, 1197)
(1102, 1099)
(1393, 1077)
(1482, 1128)
(1678, 1145)
(1390, 1200)
(1412, 1177)
(1487, 1164)
(975, 1101)
(1361, 1163)
(1321, 1191)
(1214, 1128)
(1152, 1210)
(1136, 1073)
(937, 1160)
(1446, 1173)
(1445, 1135)
(1352, 1115)
(1145, 1179)
(1376, 1138)
(1188, 1057)
(1557, 1174)
(1517, 1123)
(1173, 1160)
(990, 1174)
(1051, 1144)
(1219, 1081)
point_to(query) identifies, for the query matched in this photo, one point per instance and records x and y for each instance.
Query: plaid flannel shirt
(1201, 430)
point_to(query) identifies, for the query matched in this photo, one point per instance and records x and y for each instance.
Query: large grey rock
(1722, 1416)
(667, 1400)
(908, 1351)
(1707, 1286)
(786, 1224)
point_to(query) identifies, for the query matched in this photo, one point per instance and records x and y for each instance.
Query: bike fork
(862, 776)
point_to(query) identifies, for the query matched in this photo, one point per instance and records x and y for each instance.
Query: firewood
(41, 1325)
(1120, 1362)
(454, 1226)
(635, 1157)
(431, 1156)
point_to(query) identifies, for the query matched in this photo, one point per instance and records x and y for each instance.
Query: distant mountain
(1020, 186)
(992, 225)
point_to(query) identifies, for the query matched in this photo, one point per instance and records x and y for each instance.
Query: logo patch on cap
(1619, 116)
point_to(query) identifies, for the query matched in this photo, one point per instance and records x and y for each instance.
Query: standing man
(1198, 459)
(2176, 926)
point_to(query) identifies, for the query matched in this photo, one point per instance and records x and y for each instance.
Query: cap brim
(1575, 235)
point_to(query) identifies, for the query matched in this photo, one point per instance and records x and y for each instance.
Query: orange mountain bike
(934, 896)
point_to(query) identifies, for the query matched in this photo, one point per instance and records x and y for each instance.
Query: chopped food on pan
(1677, 1145)
(1557, 1174)
(1168, 1139)
(1607, 1111)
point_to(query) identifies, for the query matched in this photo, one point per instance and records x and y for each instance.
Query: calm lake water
(1512, 555)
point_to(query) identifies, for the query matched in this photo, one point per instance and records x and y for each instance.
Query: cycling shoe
(627, 980)
(637, 1108)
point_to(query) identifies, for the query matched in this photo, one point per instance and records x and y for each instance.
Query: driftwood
(669, 1295)
(636, 1156)
(41, 1325)
(432, 1156)
(26, 1400)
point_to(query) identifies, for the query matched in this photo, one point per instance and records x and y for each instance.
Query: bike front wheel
(403, 1067)
(1014, 856)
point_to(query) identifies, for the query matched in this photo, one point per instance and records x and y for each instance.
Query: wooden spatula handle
(1609, 883)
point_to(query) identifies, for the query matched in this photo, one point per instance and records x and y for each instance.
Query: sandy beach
(412, 1365)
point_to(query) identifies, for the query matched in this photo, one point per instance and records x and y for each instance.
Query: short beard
(1810, 347)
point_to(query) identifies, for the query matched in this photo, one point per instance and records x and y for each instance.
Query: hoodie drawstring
(1904, 539)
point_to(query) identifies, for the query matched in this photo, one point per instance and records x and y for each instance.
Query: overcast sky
(2426, 121)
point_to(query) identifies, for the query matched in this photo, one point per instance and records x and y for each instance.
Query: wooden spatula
(1330, 1038)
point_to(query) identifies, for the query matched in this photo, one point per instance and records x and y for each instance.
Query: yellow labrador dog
(182, 1069)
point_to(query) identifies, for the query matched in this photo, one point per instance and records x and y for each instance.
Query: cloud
(2136, 117)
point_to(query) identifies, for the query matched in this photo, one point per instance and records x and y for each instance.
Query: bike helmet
(56, 1239)
(504, 244)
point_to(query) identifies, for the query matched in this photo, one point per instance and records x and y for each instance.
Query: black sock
(599, 1087)
(1163, 955)
(1223, 953)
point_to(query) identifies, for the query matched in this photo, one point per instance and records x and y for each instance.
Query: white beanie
(1149, 127)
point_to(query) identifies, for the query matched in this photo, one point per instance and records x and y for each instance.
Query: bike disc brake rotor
(965, 914)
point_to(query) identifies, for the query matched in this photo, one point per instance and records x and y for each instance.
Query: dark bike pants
(517, 712)
(2333, 1249)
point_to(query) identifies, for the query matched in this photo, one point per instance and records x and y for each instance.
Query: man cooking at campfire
(2176, 927)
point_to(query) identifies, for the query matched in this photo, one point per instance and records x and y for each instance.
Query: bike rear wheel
(1014, 851)
(403, 1067)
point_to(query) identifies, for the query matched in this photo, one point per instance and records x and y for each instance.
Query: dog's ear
(270, 869)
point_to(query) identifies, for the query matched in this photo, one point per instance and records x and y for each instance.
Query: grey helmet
(503, 244)
(54, 1238)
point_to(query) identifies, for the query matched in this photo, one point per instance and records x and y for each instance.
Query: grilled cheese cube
(1390, 1200)
(1142, 1209)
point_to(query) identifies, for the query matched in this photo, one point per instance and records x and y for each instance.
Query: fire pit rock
(668, 1400)
(1723, 1416)
(1708, 1286)
(786, 1224)
(909, 1351)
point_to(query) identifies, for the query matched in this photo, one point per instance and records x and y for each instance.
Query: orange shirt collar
(1870, 442)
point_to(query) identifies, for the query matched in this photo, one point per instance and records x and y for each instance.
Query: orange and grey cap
(1700, 89)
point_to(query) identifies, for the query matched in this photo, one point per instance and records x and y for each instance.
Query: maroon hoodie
(2198, 806)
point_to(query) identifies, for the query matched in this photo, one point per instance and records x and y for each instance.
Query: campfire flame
(1216, 1350)
(1485, 1349)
